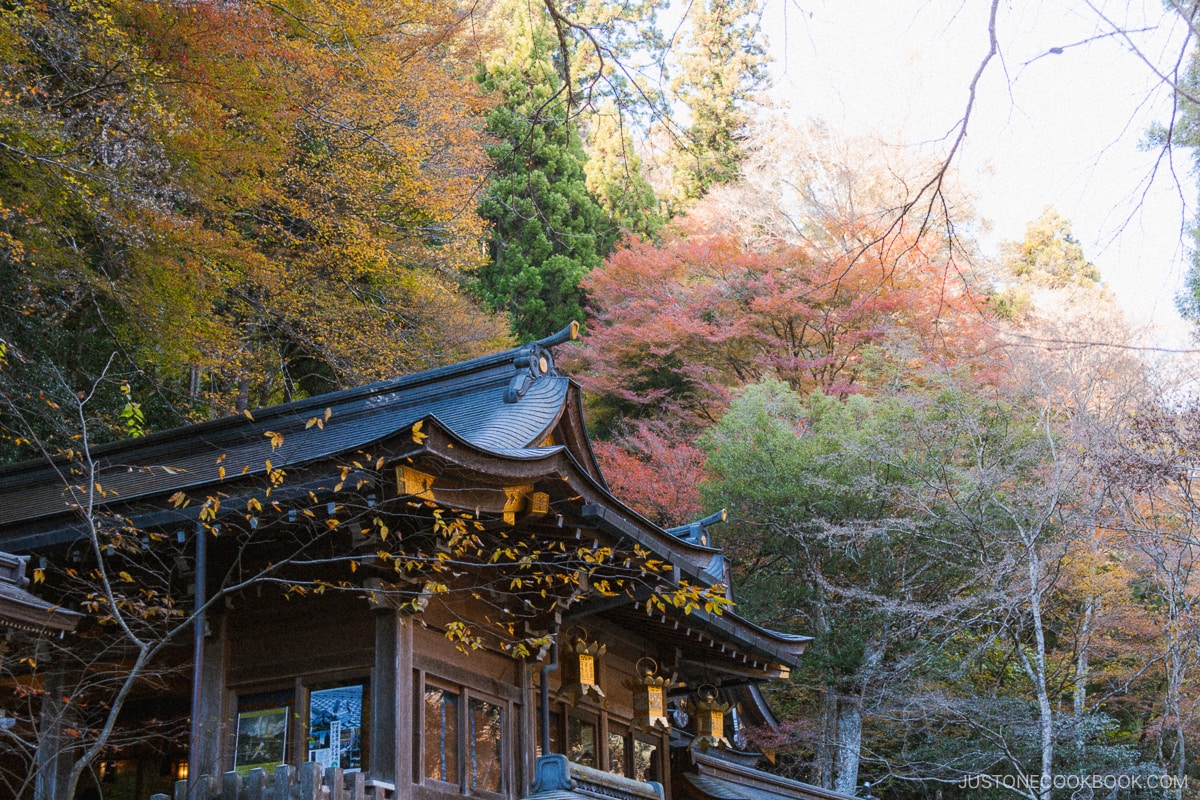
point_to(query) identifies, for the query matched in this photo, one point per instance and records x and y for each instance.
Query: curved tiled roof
(20, 610)
(498, 409)
(504, 403)
(720, 778)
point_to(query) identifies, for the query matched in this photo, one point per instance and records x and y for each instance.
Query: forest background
(985, 518)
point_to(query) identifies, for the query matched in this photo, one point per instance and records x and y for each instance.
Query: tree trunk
(1176, 675)
(849, 743)
(243, 395)
(827, 734)
(1037, 671)
(1079, 699)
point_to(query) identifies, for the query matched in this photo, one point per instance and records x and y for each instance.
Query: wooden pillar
(211, 731)
(53, 755)
(391, 702)
(404, 708)
(527, 727)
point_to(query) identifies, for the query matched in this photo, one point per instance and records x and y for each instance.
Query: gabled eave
(764, 653)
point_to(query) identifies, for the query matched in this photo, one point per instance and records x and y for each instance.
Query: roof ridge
(522, 357)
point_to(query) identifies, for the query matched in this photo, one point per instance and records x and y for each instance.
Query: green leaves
(547, 230)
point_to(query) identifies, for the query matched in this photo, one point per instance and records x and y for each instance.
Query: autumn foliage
(677, 326)
(655, 470)
(246, 202)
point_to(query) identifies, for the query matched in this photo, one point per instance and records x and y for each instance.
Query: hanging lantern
(650, 697)
(578, 657)
(710, 719)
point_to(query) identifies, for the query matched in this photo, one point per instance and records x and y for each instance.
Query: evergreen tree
(548, 231)
(614, 174)
(725, 64)
(1185, 132)
(1050, 254)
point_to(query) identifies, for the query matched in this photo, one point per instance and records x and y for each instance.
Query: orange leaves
(678, 325)
(298, 178)
(654, 469)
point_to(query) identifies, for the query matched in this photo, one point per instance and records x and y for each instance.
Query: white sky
(1060, 130)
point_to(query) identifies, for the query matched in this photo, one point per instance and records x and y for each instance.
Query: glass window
(441, 735)
(616, 752)
(487, 746)
(463, 740)
(645, 760)
(581, 741)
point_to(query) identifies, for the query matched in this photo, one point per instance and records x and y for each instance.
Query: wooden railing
(554, 773)
(309, 782)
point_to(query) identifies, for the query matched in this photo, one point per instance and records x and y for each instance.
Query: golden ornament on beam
(578, 657)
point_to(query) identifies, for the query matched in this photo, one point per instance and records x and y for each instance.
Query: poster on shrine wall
(261, 739)
(335, 727)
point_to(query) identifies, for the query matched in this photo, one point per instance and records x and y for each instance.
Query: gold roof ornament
(650, 696)
(579, 660)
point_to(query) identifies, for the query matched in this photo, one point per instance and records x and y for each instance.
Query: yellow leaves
(605, 588)
(599, 555)
(691, 598)
(179, 500)
(715, 601)
(208, 512)
(417, 435)
(319, 421)
(345, 471)
(125, 576)
(275, 476)
(276, 439)
(39, 576)
(462, 636)
(246, 413)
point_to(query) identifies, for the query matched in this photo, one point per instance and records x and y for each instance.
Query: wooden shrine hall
(420, 588)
